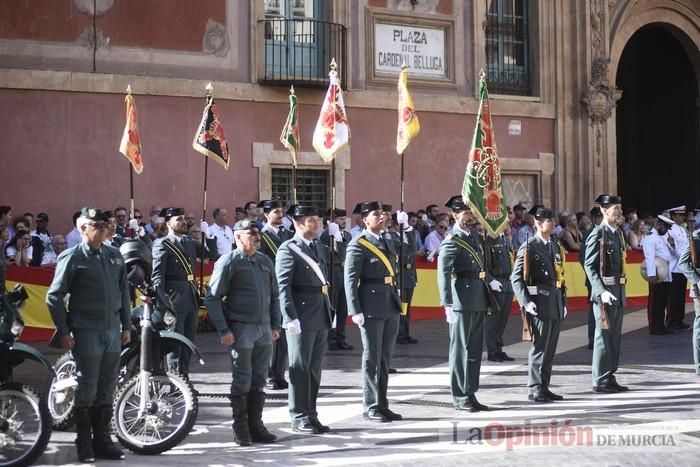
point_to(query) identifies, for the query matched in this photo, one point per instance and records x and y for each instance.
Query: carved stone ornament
(600, 98)
(215, 39)
(417, 6)
(87, 6)
(86, 39)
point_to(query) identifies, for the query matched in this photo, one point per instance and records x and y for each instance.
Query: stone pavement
(657, 422)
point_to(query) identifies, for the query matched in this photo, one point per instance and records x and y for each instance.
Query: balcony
(299, 52)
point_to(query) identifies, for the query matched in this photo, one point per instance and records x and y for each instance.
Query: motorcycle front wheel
(61, 394)
(167, 420)
(25, 425)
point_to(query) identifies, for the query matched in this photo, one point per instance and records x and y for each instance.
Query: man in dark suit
(374, 304)
(462, 282)
(174, 259)
(538, 283)
(273, 235)
(341, 237)
(302, 271)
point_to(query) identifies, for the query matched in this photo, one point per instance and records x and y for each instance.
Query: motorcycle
(168, 408)
(25, 423)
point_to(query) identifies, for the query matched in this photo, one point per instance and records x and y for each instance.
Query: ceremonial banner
(290, 133)
(482, 189)
(332, 133)
(210, 139)
(409, 126)
(130, 145)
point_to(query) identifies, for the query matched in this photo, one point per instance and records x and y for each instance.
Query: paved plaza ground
(656, 423)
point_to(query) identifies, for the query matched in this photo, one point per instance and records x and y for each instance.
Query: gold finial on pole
(128, 89)
(482, 74)
(291, 90)
(334, 66)
(403, 65)
(210, 89)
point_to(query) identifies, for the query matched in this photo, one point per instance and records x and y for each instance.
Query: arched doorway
(658, 123)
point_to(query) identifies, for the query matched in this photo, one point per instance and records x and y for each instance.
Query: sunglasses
(138, 217)
(97, 225)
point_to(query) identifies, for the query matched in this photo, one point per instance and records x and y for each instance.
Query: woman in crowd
(636, 235)
(571, 235)
(19, 250)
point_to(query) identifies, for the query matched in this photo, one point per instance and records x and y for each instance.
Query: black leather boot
(258, 431)
(102, 444)
(83, 440)
(241, 431)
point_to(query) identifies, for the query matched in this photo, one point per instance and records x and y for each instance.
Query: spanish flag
(332, 133)
(482, 189)
(409, 126)
(290, 133)
(210, 139)
(130, 145)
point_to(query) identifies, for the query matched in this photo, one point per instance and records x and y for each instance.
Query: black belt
(176, 278)
(320, 289)
(376, 280)
(469, 275)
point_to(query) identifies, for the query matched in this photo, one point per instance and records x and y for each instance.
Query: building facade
(588, 96)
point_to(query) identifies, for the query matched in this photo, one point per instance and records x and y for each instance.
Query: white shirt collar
(466, 232)
(377, 237)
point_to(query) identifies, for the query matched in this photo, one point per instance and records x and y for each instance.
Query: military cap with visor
(270, 204)
(245, 224)
(167, 213)
(456, 203)
(540, 212)
(297, 210)
(608, 200)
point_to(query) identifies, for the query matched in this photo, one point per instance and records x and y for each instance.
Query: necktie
(312, 247)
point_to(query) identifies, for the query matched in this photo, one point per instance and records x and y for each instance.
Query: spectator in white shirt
(58, 243)
(435, 238)
(658, 245)
(221, 232)
(73, 237)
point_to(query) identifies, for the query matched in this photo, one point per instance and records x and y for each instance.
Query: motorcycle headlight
(17, 328)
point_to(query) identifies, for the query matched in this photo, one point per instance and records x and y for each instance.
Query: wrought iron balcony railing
(299, 51)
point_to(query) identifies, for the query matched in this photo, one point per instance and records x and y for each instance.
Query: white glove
(450, 315)
(431, 256)
(359, 319)
(294, 327)
(566, 312)
(134, 224)
(402, 218)
(204, 227)
(531, 308)
(607, 298)
(495, 285)
(334, 231)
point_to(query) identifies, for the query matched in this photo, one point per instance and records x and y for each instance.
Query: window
(313, 186)
(507, 47)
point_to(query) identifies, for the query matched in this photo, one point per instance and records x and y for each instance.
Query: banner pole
(401, 265)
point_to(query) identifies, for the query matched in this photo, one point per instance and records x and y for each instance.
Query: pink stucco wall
(60, 151)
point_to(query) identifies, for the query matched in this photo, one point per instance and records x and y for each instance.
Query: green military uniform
(690, 266)
(547, 291)
(410, 280)
(372, 291)
(96, 313)
(606, 343)
(270, 243)
(499, 260)
(303, 297)
(336, 336)
(243, 298)
(174, 262)
(462, 280)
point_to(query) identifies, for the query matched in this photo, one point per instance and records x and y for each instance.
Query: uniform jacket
(463, 293)
(499, 252)
(338, 255)
(410, 248)
(311, 308)
(98, 288)
(614, 250)
(270, 241)
(243, 289)
(364, 274)
(170, 274)
(685, 264)
(549, 298)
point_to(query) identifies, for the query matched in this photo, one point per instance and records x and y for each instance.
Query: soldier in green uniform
(408, 278)
(273, 235)
(607, 278)
(174, 259)
(302, 271)
(94, 325)
(538, 283)
(689, 264)
(243, 303)
(462, 283)
(596, 218)
(336, 230)
(374, 305)
(499, 261)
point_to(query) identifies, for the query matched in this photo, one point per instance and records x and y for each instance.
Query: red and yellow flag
(131, 141)
(482, 189)
(409, 126)
(332, 133)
